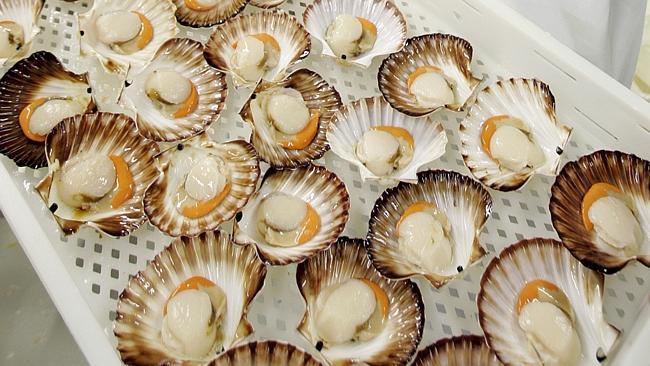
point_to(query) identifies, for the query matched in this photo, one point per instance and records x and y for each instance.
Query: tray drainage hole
(54, 207)
(600, 355)
(558, 150)
(459, 269)
(319, 346)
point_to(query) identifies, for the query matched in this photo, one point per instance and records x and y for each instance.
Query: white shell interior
(25, 13)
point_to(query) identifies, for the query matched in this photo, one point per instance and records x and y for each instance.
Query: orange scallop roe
(531, 290)
(420, 71)
(189, 105)
(303, 138)
(146, 31)
(310, 226)
(202, 208)
(380, 296)
(264, 37)
(397, 132)
(489, 128)
(125, 183)
(414, 208)
(595, 192)
(192, 283)
(195, 5)
(368, 25)
(25, 117)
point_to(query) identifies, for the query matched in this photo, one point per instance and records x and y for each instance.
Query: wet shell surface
(243, 171)
(268, 353)
(451, 54)
(403, 326)
(467, 350)
(194, 16)
(236, 270)
(292, 39)
(628, 173)
(352, 120)
(23, 13)
(185, 57)
(548, 260)
(464, 202)
(384, 14)
(160, 16)
(316, 186)
(319, 96)
(530, 101)
(267, 4)
(82, 137)
(39, 76)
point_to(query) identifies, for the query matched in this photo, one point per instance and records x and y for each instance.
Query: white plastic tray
(85, 273)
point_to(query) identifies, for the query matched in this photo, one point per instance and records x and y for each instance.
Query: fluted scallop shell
(544, 259)
(107, 134)
(236, 270)
(464, 201)
(353, 120)
(291, 36)
(346, 259)
(384, 14)
(631, 175)
(453, 55)
(41, 75)
(25, 13)
(175, 164)
(529, 100)
(467, 350)
(223, 11)
(159, 12)
(266, 353)
(184, 56)
(318, 95)
(267, 4)
(322, 189)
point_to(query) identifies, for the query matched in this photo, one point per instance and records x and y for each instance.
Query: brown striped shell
(224, 10)
(266, 353)
(467, 350)
(267, 4)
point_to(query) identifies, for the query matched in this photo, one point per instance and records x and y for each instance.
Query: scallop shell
(100, 133)
(291, 36)
(223, 11)
(184, 56)
(529, 100)
(25, 13)
(467, 350)
(384, 14)
(352, 120)
(629, 173)
(40, 75)
(464, 201)
(544, 259)
(174, 165)
(270, 353)
(346, 259)
(318, 95)
(322, 189)
(237, 270)
(159, 12)
(453, 55)
(267, 4)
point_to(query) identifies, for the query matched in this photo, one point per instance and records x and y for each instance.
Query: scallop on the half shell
(266, 353)
(36, 94)
(539, 306)
(290, 118)
(431, 72)
(294, 214)
(189, 303)
(126, 34)
(353, 314)
(178, 95)
(430, 228)
(99, 168)
(511, 133)
(206, 13)
(257, 46)
(600, 208)
(203, 184)
(386, 145)
(18, 27)
(466, 350)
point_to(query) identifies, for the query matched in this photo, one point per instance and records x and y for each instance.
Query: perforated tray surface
(101, 266)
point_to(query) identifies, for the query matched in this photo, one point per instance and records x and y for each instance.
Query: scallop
(599, 208)
(189, 303)
(266, 353)
(99, 169)
(386, 145)
(511, 133)
(202, 185)
(125, 34)
(290, 118)
(430, 228)
(36, 94)
(319, 205)
(353, 314)
(258, 46)
(432, 72)
(206, 13)
(466, 350)
(178, 95)
(539, 305)
(356, 32)
(18, 27)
